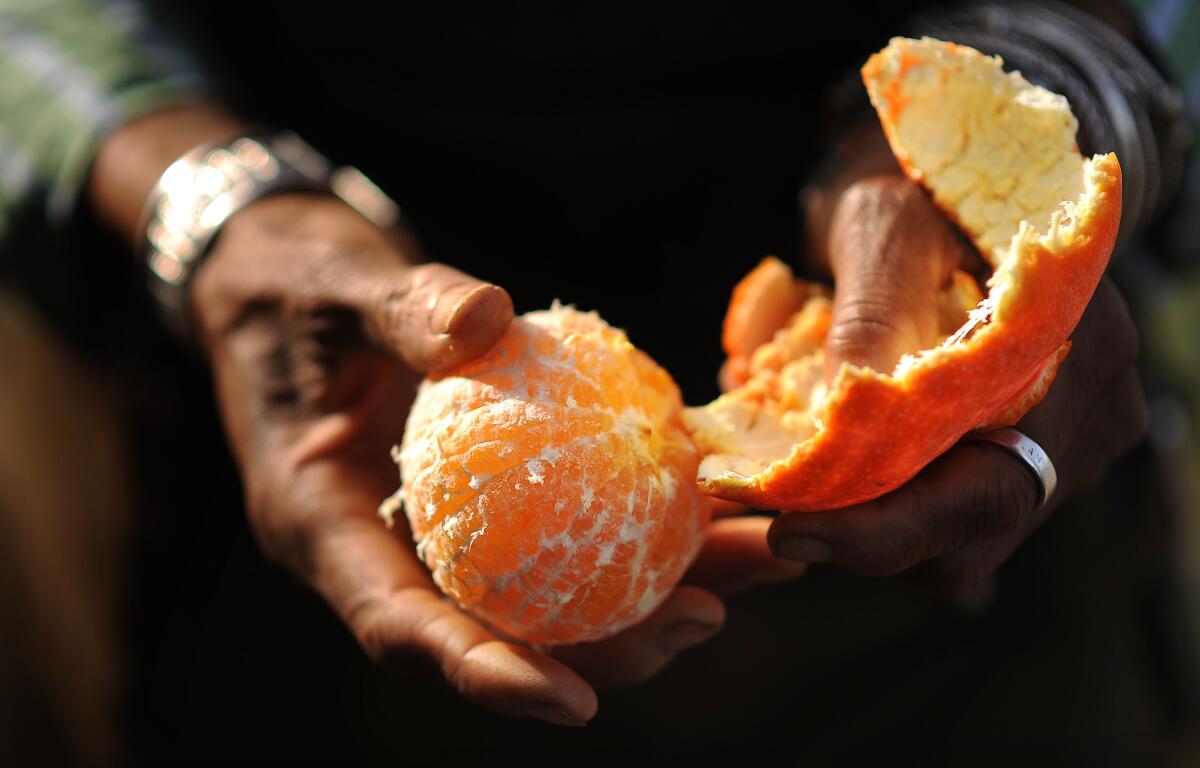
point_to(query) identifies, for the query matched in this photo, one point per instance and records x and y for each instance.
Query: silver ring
(1030, 453)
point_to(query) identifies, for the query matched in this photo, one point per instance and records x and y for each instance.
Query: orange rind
(998, 156)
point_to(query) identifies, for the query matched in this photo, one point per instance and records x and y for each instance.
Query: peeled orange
(999, 157)
(550, 485)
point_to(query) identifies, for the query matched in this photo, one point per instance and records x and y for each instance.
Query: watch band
(198, 193)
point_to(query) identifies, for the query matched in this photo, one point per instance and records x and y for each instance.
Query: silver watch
(202, 189)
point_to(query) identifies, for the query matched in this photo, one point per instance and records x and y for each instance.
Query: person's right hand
(965, 513)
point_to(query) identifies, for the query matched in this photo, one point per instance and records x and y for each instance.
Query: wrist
(132, 158)
(201, 190)
(301, 216)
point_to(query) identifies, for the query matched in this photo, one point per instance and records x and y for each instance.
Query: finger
(891, 251)
(975, 492)
(689, 617)
(1117, 422)
(500, 676)
(386, 599)
(736, 556)
(432, 315)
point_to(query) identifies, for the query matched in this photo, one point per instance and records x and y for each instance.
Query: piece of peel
(999, 157)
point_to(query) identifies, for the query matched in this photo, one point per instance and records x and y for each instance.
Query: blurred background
(140, 625)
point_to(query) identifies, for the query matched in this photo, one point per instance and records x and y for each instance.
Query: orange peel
(998, 156)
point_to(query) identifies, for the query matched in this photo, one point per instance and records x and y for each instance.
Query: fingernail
(449, 303)
(803, 548)
(472, 304)
(686, 634)
(554, 713)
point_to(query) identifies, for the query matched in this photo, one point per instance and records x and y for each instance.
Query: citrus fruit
(550, 485)
(998, 156)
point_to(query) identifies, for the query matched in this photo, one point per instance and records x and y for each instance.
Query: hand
(315, 322)
(965, 513)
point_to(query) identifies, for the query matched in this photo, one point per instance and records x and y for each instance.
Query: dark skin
(316, 325)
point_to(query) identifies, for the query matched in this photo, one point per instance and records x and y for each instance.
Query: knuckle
(896, 547)
(372, 626)
(903, 548)
(455, 673)
(393, 640)
(997, 502)
(381, 635)
(433, 635)
(861, 192)
(367, 623)
(905, 543)
(870, 189)
(863, 323)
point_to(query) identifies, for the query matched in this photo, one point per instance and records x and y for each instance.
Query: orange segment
(999, 157)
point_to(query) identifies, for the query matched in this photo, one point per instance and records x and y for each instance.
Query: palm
(306, 317)
(330, 469)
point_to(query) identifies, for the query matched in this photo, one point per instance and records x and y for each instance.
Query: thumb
(432, 315)
(890, 250)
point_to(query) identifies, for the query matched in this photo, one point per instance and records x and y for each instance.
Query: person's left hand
(316, 325)
(964, 514)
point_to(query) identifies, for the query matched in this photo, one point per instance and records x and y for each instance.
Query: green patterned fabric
(71, 70)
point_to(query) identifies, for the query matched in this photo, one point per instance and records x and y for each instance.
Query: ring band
(1030, 453)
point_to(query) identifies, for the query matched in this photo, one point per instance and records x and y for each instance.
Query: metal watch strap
(202, 189)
